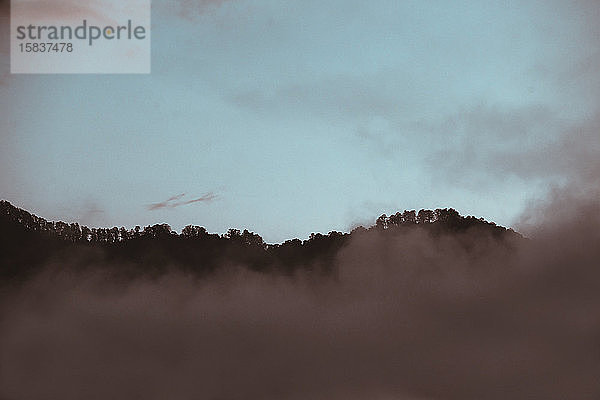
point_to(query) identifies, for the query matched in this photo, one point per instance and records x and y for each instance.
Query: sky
(292, 117)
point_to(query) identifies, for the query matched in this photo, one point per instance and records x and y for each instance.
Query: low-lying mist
(410, 316)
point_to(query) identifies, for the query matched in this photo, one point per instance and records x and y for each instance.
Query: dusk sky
(292, 117)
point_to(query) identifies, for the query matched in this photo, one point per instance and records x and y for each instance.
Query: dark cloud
(487, 147)
(176, 201)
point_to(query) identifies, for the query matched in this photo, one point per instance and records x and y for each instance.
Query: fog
(463, 316)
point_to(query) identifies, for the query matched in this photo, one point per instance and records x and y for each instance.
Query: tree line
(28, 241)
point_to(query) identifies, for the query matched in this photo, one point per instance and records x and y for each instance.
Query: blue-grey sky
(292, 117)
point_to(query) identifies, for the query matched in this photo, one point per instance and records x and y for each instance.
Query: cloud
(4, 8)
(330, 98)
(173, 202)
(4, 41)
(42, 11)
(488, 146)
(189, 9)
(74, 11)
(89, 213)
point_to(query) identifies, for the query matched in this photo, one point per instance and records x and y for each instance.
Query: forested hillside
(28, 242)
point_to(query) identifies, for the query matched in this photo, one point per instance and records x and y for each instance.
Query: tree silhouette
(28, 242)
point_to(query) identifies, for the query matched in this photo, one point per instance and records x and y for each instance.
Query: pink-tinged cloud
(62, 10)
(4, 41)
(176, 201)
